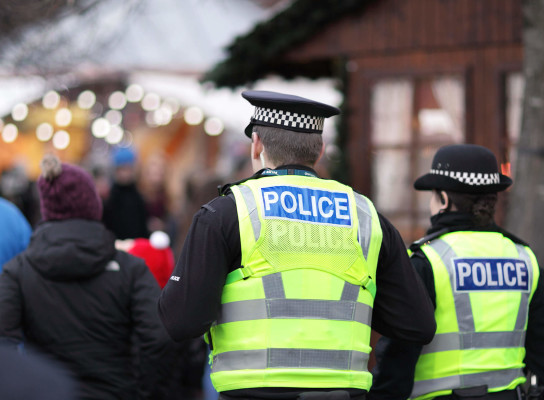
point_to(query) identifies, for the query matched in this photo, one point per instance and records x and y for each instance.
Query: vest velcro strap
(369, 285)
(290, 358)
(474, 340)
(237, 275)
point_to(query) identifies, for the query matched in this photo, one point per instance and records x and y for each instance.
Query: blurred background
(83, 78)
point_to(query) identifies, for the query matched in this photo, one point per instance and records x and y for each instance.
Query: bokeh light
(86, 99)
(213, 126)
(151, 102)
(117, 100)
(134, 93)
(115, 135)
(193, 115)
(61, 140)
(44, 132)
(19, 112)
(63, 117)
(100, 127)
(10, 133)
(115, 117)
(51, 100)
(162, 116)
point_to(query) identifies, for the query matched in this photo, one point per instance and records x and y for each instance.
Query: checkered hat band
(470, 178)
(289, 119)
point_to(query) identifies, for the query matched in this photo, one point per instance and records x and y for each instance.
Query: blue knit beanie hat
(123, 156)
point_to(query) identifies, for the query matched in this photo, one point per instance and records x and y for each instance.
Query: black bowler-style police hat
(465, 168)
(286, 111)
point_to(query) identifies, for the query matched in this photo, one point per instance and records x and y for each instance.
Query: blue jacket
(15, 231)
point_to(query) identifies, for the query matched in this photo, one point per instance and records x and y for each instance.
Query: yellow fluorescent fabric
(302, 317)
(481, 328)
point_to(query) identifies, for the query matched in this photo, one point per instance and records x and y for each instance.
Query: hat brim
(440, 182)
(249, 128)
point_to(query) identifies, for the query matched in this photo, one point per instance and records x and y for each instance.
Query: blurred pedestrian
(486, 286)
(281, 271)
(125, 212)
(156, 253)
(33, 377)
(15, 231)
(74, 297)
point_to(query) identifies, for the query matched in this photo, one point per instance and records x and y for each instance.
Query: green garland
(252, 56)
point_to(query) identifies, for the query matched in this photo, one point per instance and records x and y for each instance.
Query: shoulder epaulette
(224, 189)
(425, 239)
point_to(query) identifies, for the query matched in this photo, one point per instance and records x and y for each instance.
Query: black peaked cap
(464, 168)
(287, 111)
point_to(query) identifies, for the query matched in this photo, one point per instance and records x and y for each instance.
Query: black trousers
(514, 394)
(332, 395)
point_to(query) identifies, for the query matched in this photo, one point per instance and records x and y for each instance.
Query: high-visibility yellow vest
(298, 312)
(484, 283)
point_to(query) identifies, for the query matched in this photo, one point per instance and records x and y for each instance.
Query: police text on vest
(486, 274)
(307, 205)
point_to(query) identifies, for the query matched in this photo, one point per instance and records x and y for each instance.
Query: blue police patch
(305, 204)
(490, 274)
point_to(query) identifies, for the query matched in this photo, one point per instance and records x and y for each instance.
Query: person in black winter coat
(32, 377)
(125, 212)
(74, 297)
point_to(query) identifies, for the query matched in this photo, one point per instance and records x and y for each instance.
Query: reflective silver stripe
(524, 304)
(339, 310)
(492, 379)
(290, 358)
(467, 338)
(434, 385)
(350, 292)
(251, 205)
(273, 286)
(474, 340)
(463, 309)
(365, 223)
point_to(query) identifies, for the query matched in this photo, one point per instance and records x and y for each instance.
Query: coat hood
(70, 249)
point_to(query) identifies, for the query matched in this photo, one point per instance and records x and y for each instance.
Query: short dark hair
(287, 147)
(481, 206)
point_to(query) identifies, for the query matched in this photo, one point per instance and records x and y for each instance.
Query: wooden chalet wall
(479, 39)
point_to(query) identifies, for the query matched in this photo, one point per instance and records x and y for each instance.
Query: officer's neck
(295, 166)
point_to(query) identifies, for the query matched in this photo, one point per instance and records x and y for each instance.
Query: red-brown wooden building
(416, 74)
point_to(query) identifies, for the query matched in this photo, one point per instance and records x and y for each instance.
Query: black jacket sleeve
(534, 340)
(402, 308)
(191, 299)
(393, 376)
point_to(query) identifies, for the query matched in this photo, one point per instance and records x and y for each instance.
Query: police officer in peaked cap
(285, 273)
(486, 287)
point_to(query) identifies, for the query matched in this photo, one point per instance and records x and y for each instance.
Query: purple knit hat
(67, 191)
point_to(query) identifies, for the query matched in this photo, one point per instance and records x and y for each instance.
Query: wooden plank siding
(478, 39)
(424, 25)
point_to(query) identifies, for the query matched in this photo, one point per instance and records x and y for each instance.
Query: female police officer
(486, 287)
(286, 273)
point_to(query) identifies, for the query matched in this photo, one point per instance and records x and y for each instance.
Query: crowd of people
(281, 278)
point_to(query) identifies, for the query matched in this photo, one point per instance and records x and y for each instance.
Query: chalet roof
(255, 54)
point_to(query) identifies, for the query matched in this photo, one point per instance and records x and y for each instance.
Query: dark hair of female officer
(480, 206)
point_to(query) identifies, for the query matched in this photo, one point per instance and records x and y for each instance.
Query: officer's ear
(444, 200)
(256, 146)
(320, 153)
